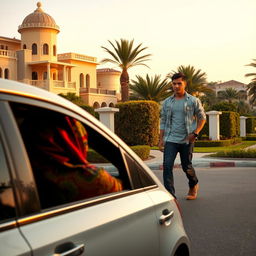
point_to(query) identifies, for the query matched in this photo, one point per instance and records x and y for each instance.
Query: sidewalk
(200, 160)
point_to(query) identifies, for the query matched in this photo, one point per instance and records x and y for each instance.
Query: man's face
(179, 86)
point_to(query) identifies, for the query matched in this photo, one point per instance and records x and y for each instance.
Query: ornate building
(33, 59)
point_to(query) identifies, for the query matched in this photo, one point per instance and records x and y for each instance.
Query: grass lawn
(239, 146)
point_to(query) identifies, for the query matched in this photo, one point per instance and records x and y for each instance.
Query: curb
(215, 164)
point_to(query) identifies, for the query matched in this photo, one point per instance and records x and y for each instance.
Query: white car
(43, 212)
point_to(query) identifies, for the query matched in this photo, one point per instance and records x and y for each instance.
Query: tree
(125, 56)
(73, 98)
(196, 79)
(208, 100)
(150, 88)
(251, 87)
(228, 94)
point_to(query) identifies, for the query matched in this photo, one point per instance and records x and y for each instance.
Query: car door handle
(69, 249)
(166, 217)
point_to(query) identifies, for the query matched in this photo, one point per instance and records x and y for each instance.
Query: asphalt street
(222, 221)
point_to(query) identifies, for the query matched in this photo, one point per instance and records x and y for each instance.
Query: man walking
(182, 118)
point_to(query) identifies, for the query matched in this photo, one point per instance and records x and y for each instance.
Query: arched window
(111, 105)
(81, 80)
(34, 49)
(45, 49)
(45, 75)
(54, 50)
(54, 76)
(87, 81)
(103, 104)
(24, 46)
(96, 105)
(34, 75)
(6, 73)
(1, 75)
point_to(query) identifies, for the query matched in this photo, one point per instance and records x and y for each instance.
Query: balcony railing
(45, 84)
(98, 91)
(76, 56)
(7, 53)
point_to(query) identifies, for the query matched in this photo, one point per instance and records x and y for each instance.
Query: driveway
(222, 221)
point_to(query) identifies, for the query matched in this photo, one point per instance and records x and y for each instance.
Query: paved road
(222, 221)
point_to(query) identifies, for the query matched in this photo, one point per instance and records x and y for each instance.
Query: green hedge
(137, 122)
(90, 110)
(217, 143)
(142, 151)
(250, 153)
(250, 137)
(229, 124)
(251, 125)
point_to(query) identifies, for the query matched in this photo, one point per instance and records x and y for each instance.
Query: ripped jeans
(170, 152)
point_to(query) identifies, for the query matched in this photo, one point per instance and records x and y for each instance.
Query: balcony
(76, 56)
(46, 84)
(97, 91)
(7, 53)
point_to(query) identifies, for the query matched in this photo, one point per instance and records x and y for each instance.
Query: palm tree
(150, 88)
(229, 94)
(251, 87)
(196, 79)
(126, 56)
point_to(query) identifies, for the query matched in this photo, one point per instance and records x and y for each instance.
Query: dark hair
(179, 75)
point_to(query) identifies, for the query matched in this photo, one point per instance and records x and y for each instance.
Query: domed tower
(39, 34)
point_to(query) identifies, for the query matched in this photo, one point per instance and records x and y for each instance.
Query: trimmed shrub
(229, 124)
(251, 125)
(94, 157)
(142, 151)
(90, 110)
(250, 137)
(137, 122)
(217, 143)
(224, 106)
(250, 153)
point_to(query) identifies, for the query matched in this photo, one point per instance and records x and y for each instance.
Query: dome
(38, 19)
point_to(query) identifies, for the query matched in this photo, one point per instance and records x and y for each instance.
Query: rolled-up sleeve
(163, 117)
(200, 113)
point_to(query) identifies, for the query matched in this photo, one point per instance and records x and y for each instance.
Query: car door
(11, 240)
(116, 223)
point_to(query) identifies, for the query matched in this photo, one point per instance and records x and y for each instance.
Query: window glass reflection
(7, 204)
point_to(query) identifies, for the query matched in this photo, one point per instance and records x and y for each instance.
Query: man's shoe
(192, 193)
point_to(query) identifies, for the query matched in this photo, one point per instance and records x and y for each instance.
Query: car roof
(29, 91)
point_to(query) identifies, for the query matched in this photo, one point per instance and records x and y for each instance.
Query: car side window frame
(56, 108)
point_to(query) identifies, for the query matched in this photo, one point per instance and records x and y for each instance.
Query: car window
(57, 146)
(7, 203)
(139, 176)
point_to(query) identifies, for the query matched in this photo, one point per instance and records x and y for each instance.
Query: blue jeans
(170, 152)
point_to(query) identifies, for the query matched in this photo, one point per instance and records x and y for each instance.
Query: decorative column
(64, 77)
(243, 126)
(48, 78)
(107, 116)
(214, 124)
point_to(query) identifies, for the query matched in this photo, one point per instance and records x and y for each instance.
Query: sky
(216, 36)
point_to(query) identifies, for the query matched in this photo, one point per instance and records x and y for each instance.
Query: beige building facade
(34, 60)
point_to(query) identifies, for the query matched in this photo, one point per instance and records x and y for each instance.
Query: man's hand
(161, 144)
(191, 138)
